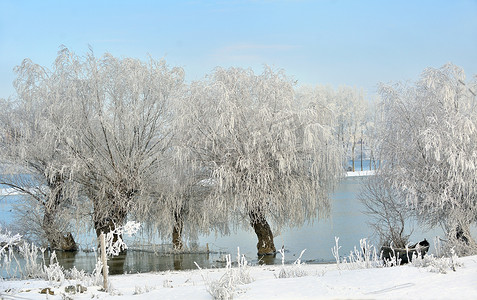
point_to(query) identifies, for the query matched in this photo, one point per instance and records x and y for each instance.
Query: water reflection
(141, 261)
(267, 259)
(66, 259)
(116, 264)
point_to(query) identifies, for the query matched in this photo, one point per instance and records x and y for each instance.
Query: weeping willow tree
(429, 150)
(121, 130)
(34, 160)
(105, 124)
(266, 159)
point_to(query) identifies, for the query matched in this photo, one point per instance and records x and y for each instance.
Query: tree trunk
(462, 235)
(177, 232)
(57, 240)
(107, 218)
(265, 245)
(462, 240)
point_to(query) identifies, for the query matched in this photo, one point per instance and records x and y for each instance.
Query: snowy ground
(321, 282)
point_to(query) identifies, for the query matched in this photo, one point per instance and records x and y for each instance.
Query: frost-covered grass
(27, 261)
(367, 256)
(293, 270)
(22, 260)
(364, 257)
(228, 285)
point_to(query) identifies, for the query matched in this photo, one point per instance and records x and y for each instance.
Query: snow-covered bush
(25, 260)
(7, 256)
(54, 272)
(363, 258)
(32, 265)
(437, 264)
(335, 251)
(294, 270)
(139, 290)
(32, 268)
(226, 286)
(8, 240)
(367, 257)
(74, 273)
(95, 278)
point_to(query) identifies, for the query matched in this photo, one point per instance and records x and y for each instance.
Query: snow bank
(322, 282)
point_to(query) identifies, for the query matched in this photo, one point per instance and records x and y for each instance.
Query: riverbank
(325, 281)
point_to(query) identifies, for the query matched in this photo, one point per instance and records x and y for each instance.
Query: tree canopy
(429, 148)
(266, 156)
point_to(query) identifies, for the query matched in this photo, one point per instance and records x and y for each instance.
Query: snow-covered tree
(371, 131)
(350, 110)
(33, 154)
(96, 129)
(429, 149)
(266, 158)
(388, 214)
(121, 128)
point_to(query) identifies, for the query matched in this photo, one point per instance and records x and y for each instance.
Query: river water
(347, 221)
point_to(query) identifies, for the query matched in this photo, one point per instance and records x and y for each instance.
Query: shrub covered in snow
(364, 257)
(367, 257)
(227, 285)
(437, 264)
(293, 270)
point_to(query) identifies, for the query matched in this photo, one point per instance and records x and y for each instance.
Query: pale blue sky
(357, 43)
